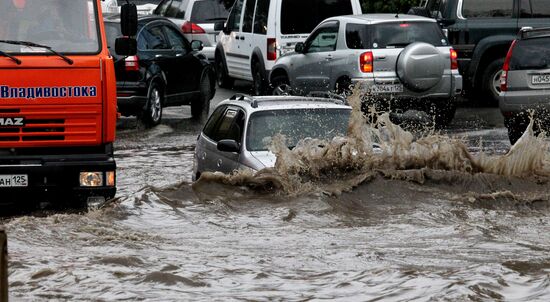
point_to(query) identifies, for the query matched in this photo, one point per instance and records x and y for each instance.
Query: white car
(109, 6)
(238, 132)
(257, 32)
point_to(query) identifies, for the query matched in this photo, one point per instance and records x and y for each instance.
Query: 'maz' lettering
(12, 121)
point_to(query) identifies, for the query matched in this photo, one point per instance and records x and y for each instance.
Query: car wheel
(200, 106)
(442, 112)
(491, 82)
(258, 82)
(153, 112)
(223, 79)
(281, 85)
(343, 87)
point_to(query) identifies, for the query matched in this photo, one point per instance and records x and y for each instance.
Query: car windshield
(295, 125)
(65, 26)
(393, 35)
(209, 11)
(531, 54)
(301, 17)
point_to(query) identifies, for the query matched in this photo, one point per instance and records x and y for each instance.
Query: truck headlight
(91, 179)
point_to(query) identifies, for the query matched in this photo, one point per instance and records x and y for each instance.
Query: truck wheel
(153, 112)
(223, 79)
(281, 85)
(258, 81)
(442, 112)
(491, 82)
(201, 106)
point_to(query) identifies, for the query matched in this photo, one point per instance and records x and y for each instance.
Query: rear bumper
(518, 101)
(131, 97)
(54, 178)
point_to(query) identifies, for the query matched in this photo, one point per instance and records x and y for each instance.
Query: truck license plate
(540, 79)
(18, 180)
(394, 88)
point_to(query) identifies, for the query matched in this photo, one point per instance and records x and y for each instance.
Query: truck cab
(57, 103)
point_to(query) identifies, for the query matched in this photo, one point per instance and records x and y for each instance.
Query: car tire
(152, 115)
(281, 85)
(490, 82)
(343, 87)
(258, 82)
(200, 106)
(442, 112)
(222, 78)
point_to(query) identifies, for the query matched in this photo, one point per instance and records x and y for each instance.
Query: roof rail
(328, 95)
(529, 32)
(245, 98)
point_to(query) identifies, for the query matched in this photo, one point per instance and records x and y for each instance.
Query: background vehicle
(238, 132)
(196, 18)
(481, 33)
(58, 110)
(257, 32)
(166, 71)
(405, 59)
(525, 82)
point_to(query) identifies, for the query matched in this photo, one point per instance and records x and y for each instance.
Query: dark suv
(481, 32)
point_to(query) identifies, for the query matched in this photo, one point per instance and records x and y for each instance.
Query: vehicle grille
(47, 125)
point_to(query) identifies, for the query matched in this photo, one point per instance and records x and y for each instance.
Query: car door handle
(328, 57)
(160, 56)
(242, 38)
(179, 55)
(219, 163)
(237, 37)
(380, 58)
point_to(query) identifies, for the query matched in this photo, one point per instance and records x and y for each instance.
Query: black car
(166, 71)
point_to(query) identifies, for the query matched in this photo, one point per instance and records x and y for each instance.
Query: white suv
(257, 32)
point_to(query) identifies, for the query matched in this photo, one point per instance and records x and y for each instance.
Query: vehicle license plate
(540, 79)
(393, 88)
(17, 180)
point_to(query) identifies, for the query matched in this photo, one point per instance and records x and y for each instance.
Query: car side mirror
(197, 45)
(229, 145)
(126, 46)
(128, 19)
(219, 26)
(299, 47)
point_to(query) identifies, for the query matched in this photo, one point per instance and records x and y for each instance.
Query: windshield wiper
(16, 60)
(32, 44)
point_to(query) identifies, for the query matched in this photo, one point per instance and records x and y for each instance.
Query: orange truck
(58, 107)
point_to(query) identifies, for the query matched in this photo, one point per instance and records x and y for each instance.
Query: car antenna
(398, 9)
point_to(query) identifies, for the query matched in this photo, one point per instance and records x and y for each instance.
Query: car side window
(260, 17)
(162, 7)
(438, 9)
(177, 40)
(158, 40)
(231, 126)
(534, 9)
(234, 20)
(248, 15)
(173, 10)
(487, 8)
(324, 38)
(210, 127)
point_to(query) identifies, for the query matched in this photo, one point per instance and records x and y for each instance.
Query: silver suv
(403, 59)
(238, 132)
(525, 81)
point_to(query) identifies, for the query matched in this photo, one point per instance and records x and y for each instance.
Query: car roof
(382, 18)
(264, 103)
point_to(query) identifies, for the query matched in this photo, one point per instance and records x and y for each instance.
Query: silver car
(238, 133)
(196, 18)
(403, 58)
(525, 81)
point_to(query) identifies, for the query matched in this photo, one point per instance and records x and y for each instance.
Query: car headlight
(91, 179)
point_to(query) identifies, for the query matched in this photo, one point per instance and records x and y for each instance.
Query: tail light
(191, 28)
(365, 62)
(454, 59)
(506, 68)
(131, 63)
(271, 49)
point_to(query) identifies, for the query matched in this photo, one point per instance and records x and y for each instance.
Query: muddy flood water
(419, 219)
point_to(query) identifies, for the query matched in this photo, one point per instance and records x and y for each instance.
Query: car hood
(262, 159)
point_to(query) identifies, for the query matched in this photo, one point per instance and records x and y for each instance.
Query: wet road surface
(449, 237)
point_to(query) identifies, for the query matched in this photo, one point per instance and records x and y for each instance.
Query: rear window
(210, 11)
(393, 35)
(301, 16)
(531, 54)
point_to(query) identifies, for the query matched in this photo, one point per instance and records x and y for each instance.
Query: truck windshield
(64, 26)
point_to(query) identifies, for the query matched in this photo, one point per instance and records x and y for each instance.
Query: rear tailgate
(47, 102)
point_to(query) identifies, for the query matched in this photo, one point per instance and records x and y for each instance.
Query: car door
(229, 126)
(231, 42)
(162, 55)
(187, 67)
(246, 37)
(206, 149)
(312, 69)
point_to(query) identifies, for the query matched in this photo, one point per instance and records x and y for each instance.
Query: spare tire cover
(420, 66)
